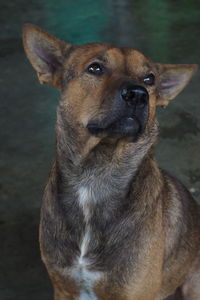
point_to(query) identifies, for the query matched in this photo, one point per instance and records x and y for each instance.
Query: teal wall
(79, 21)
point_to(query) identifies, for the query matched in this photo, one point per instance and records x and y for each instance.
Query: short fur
(113, 225)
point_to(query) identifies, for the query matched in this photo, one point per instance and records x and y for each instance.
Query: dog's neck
(88, 162)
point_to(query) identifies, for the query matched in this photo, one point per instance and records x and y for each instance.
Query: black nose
(134, 94)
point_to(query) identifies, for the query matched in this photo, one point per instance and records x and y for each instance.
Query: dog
(114, 226)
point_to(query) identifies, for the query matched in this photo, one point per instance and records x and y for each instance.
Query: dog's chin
(123, 127)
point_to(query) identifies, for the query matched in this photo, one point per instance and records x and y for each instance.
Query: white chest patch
(85, 201)
(85, 280)
(84, 277)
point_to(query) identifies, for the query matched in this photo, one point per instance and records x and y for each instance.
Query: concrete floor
(167, 31)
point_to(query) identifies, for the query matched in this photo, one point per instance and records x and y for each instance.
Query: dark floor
(167, 31)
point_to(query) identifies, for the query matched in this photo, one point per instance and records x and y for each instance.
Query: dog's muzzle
(128, 116)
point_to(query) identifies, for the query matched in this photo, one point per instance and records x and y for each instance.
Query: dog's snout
(134, 94)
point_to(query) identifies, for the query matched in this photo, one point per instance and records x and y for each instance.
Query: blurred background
(166, 31)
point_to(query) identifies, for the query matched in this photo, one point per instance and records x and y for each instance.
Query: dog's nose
(134, 94)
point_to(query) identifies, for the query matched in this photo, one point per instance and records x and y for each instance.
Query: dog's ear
(172, 80)
(46, 54)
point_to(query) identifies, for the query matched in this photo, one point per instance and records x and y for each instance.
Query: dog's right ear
(46, 54)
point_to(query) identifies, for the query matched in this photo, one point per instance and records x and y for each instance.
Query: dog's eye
(95, 68)
(149, 79)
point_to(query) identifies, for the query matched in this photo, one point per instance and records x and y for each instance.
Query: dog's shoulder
(178, 191)
(181, 216)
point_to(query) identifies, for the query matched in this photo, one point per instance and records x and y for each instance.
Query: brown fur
(143, 224)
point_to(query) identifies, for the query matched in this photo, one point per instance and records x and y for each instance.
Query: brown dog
(113, 225)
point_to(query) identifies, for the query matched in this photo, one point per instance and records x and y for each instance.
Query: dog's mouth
(126, 125)
(130, 124)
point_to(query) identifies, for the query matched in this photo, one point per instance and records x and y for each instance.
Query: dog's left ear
(46, 54)
(172, 80)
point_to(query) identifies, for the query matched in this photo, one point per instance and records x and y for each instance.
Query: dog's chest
(91, 240)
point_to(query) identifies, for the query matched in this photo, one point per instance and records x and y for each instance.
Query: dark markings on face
(67, 77)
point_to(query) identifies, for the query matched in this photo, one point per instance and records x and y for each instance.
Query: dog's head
(109, 91)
